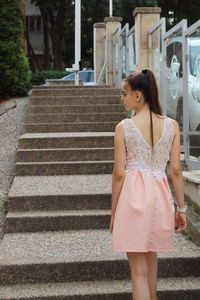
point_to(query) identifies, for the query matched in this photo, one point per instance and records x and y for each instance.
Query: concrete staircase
(57, 244)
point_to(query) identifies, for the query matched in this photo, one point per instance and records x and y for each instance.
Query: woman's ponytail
(154, 103)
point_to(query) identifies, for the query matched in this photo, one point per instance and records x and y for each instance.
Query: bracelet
(182, 209)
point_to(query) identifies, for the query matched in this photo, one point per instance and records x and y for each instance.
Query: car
(87, 76)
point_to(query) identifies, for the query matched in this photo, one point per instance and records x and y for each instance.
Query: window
(71, 76)
(83, 76)
(91, 76)
(34, 23)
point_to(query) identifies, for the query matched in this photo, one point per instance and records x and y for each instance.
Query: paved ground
(12, 117)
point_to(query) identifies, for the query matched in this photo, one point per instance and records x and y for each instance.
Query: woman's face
(129, 98)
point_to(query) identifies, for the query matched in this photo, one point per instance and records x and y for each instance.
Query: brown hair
(146, 83)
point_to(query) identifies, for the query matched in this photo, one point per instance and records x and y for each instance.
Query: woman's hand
(111, 223)
(180, 222)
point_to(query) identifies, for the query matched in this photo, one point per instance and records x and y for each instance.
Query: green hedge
(14, 66)
(39, 78)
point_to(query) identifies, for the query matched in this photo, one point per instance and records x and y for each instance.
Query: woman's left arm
(119, 165)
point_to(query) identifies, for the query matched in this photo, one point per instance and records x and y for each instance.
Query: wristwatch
(182, 209)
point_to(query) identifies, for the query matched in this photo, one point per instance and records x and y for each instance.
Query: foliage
(15, 76)
(129, 114)
(40, 77)
(176, 10)
(5, 204)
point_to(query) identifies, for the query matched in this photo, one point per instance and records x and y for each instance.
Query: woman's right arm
(175, 171)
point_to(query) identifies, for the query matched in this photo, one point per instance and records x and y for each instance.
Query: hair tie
(144, 71)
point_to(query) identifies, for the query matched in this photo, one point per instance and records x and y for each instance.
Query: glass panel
(132, 53)
(123, 55)
(194, 93)
(174, 82)
(155, 57)
(116, 59)
(101, 77)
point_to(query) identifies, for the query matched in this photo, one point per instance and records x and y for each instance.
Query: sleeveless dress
(145, 215)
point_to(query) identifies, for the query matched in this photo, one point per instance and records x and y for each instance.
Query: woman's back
(138, 144)
(143, 124)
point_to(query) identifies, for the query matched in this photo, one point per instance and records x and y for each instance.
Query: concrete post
(111, 24)
(98, 40)
(145, 17)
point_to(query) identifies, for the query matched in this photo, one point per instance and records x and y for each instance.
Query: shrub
(14, 66)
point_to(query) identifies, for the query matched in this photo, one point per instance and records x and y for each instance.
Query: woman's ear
(138, 95)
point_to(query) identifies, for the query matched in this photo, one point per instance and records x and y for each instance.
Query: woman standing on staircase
(143, 217)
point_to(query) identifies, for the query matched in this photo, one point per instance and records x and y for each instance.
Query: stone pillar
(98, 40)
(145, 17)
(111, 24)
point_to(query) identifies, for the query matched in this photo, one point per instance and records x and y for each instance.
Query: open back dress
(145, 214)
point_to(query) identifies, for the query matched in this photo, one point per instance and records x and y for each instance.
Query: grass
(4, 207)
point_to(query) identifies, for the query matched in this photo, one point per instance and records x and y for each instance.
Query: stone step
(64, 154)
(81, 255)
(41, 87)
(168, 289)
(36, 221)
(74, 92)
(76, 117)
(55, 109)
(71, 127)
(67, 192)
(64, 168)
(58, 202)
(75, 100)
(66, 140)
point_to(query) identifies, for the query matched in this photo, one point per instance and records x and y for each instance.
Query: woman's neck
(143, 109)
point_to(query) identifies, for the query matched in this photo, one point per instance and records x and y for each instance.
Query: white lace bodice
(139, 152)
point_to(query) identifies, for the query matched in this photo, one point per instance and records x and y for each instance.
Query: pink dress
(145, 214)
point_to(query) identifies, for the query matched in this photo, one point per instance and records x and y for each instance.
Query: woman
(143, 217)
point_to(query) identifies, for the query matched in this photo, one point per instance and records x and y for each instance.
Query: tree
(180, 9)
(54, 14)
(14, 75)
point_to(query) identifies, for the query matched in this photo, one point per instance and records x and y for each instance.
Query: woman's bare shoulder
(119, 126)
(121, 123)
(175, 124)
(174, 121)
(160, 116)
